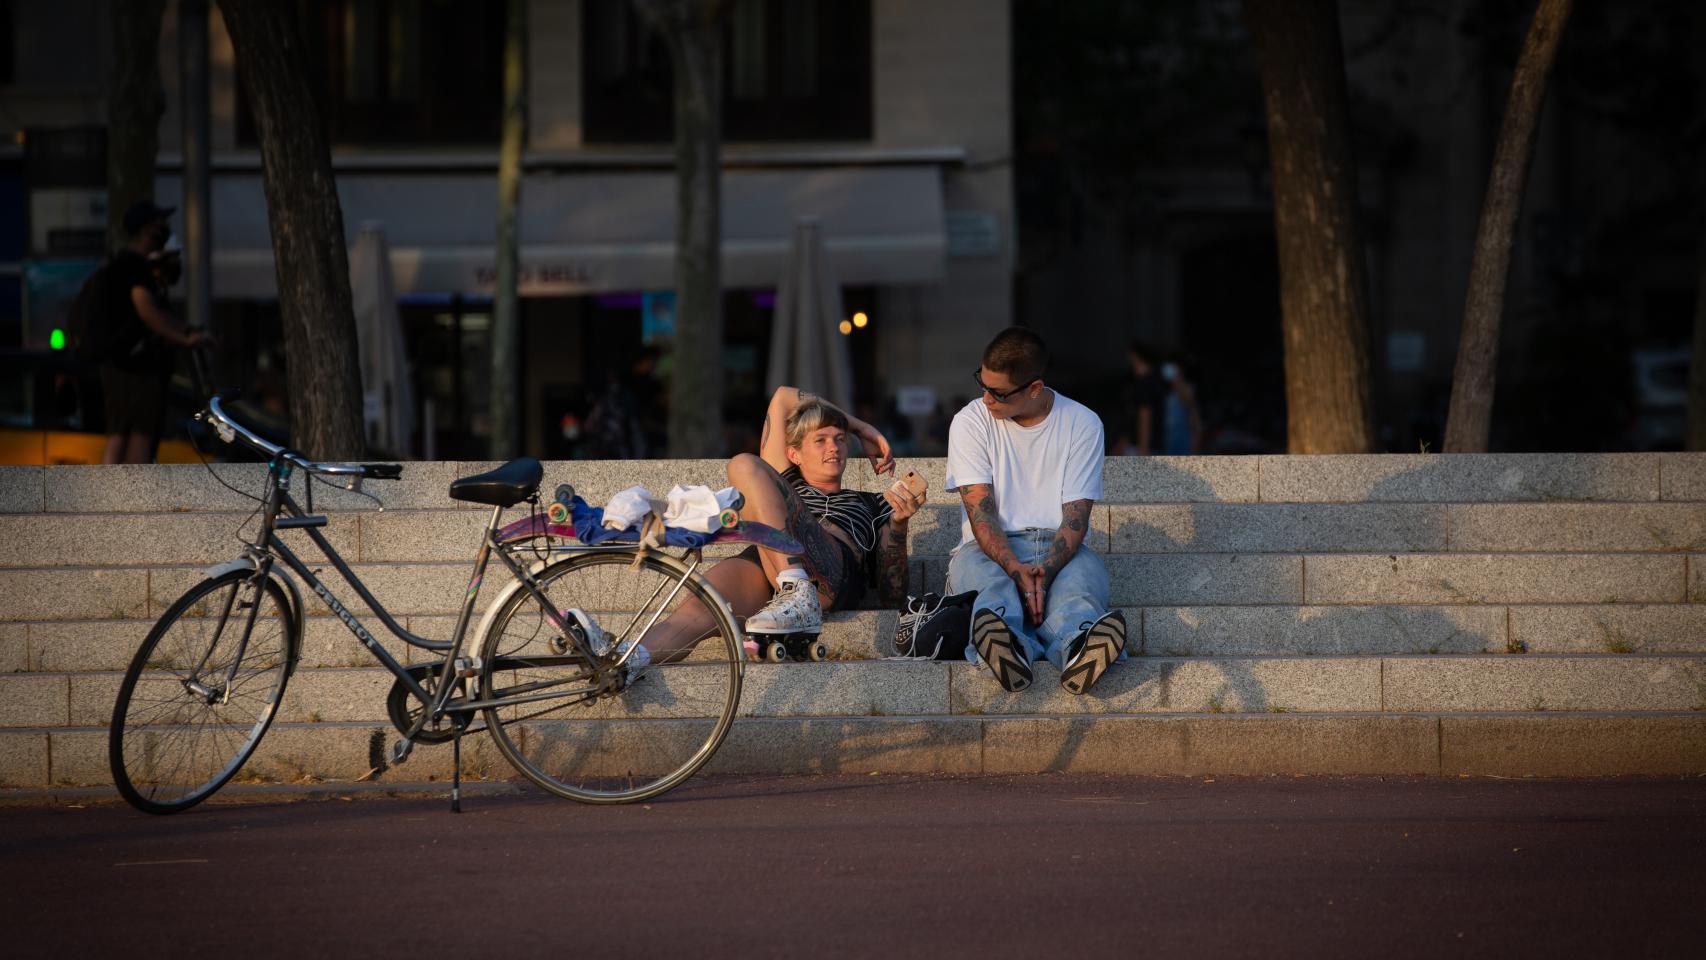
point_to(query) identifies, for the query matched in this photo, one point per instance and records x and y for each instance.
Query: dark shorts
(847, 585)
(134, 402)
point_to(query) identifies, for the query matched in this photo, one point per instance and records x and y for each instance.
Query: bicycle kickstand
(456, 770)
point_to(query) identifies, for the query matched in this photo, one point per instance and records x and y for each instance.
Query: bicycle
(565, 708)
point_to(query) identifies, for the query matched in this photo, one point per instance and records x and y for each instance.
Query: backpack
(90, 326)
(934, 627)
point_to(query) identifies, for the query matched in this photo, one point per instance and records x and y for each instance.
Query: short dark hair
(1017, 352)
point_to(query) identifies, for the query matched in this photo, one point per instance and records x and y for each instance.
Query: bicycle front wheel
(612, 747)
(201, 691)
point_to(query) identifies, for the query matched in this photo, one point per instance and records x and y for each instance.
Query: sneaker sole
(1101, 648)
(999, 650)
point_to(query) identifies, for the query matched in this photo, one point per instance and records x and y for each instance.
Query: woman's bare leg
(741, 582)
(770, 502)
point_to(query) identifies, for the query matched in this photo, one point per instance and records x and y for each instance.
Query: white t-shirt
(1033, 469)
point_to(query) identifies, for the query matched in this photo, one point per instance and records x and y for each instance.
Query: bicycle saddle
(506, 486)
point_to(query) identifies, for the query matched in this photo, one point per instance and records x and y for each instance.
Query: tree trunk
(1471, 416)
(1323, 283)
(506, 303)
(309, 255)
(1696, 439)
(692, 29)
(135, 103)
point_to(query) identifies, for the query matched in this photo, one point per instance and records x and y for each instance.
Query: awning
(600, 230)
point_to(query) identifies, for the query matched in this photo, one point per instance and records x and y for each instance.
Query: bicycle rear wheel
(624, 746)
(197, 699)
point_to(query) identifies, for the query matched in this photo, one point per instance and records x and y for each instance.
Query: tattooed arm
(891, 542)
(985, 517)
(1074, 523)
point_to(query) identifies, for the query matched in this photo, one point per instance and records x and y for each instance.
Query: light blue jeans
(1078, 596)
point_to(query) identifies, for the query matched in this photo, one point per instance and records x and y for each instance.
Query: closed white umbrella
(387, 391)
(807, 349)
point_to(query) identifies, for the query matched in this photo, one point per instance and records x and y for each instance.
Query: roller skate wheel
(818, 652)
(557, 513)
(775, 653)
(728, 518)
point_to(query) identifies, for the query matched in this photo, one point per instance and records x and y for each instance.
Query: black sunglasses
(1001, 396)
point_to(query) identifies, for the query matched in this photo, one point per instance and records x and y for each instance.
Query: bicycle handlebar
(230, 431)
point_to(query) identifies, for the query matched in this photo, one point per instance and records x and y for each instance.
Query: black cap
(142, 213)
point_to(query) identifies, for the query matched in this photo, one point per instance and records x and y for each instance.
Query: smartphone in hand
(911, 483)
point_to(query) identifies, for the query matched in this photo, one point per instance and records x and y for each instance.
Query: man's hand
(1033, 592)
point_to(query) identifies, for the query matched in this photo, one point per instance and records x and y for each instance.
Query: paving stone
(23, 758)
(32, 700)
(93, 696)
(1577, 528)
(1198, 579)
(1610, 628)
(1482, 578)
(1190, 685)
(860, 634)
(1320, 631)
(86, 645)
(912, 688)
(1543, 683)
(168, 488)
(1546, 745)
(852, 745)
(60, 540)
(78, 758)
(1696, 578)
(1226, 745)
(14, 647)
(21, 489)
(416, 536)
(82, 593)
(1275, 528)
(333, 695)
(404, 589)
(1460, 478)
(1179, 479)
(1682, 476)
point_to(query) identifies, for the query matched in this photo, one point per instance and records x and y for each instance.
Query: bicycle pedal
(400, 751)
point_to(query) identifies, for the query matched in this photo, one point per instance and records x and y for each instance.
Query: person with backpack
(123, 325)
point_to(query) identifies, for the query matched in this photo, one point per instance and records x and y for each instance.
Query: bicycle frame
(281, 512)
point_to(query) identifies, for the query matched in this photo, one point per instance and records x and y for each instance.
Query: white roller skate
(789, 625)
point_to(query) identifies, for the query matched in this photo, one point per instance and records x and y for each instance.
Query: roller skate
(790, 624)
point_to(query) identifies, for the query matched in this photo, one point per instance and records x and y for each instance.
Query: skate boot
(789, 625)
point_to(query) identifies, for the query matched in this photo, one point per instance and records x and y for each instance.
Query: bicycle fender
(497, 601)
(221, 569)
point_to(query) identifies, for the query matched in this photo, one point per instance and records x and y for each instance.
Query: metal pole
(198, 235)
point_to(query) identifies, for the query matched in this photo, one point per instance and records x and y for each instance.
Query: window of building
(792, 70)
(403, 71)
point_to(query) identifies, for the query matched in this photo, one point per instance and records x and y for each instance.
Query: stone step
(1475, 744)
(1146, 685)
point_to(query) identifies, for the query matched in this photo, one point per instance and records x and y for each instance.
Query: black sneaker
(1001, 651)
(1093, 651)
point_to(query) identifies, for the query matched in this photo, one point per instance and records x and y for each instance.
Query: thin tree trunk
(506, 305)
(135, 103)
(1697, 364)
(1471, 416)
(692, 29)
(309, 255)
(1323, 282)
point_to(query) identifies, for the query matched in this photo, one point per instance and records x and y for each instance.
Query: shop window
(402, 71)
(792, 70)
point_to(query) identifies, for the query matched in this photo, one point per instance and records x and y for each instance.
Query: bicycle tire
(171, 747)
(622, 747)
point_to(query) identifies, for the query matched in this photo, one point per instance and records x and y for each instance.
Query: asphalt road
(883, 866)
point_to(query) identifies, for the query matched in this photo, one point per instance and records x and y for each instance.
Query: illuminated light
(846, 327)
(860, 320)
(56, 339)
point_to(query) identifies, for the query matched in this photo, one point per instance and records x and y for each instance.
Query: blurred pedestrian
(139, 336)
(1144, 398)
(1181, 422)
